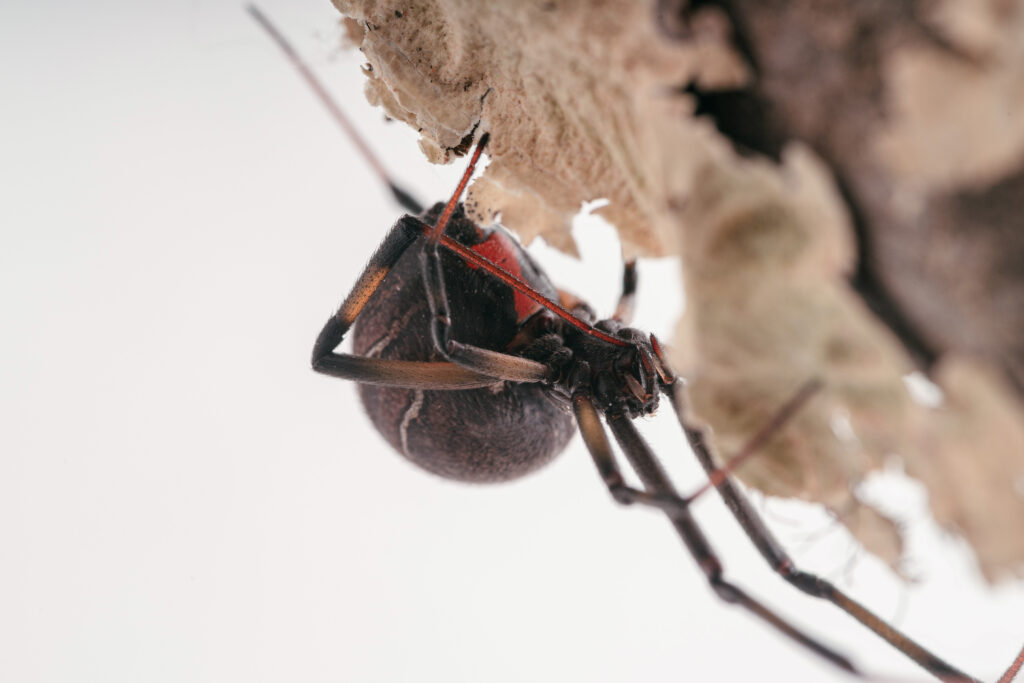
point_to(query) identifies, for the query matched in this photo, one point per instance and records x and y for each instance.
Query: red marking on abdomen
(502, 251)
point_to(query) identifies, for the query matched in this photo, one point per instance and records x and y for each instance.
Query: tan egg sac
(584, 100)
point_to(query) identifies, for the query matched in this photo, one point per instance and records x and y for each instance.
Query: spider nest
(845, 210)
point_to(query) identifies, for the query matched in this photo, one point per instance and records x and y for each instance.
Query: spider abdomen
(483, 435)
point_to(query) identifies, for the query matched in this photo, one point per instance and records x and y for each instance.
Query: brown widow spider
(454, 324)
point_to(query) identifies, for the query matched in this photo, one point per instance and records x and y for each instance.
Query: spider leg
(397, 373)
(627, 300)
(474, 358)
(1014, 668)
(780, 562)
(405, 199)
(658, 485)
(604, 459)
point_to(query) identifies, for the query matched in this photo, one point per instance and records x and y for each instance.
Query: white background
(182, 499)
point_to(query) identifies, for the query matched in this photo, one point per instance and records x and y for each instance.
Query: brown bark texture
(843, 183)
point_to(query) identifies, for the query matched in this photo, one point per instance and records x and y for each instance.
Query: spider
(454, 323)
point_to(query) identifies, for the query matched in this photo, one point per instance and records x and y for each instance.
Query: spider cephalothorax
(621, 379)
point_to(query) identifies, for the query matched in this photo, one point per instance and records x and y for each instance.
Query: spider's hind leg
(660, 492)
(777, 558)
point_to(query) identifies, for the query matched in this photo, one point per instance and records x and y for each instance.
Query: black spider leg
(771, 550)
(396, 373)
(483, 361)
(627, 301)
(601, 452)
(658, 485)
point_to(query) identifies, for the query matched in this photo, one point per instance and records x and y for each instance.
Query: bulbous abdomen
(480, 435)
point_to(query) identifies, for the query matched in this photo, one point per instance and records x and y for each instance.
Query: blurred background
(182, 499)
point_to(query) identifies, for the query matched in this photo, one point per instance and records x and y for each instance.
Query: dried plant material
(971, 459)
(977, 28)
(920, 118)
(351, 32)
(567, 116)
(934, 141)
(887, 542)
(917, 114)
(764, 257)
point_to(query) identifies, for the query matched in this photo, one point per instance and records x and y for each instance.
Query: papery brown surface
(844, 186)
